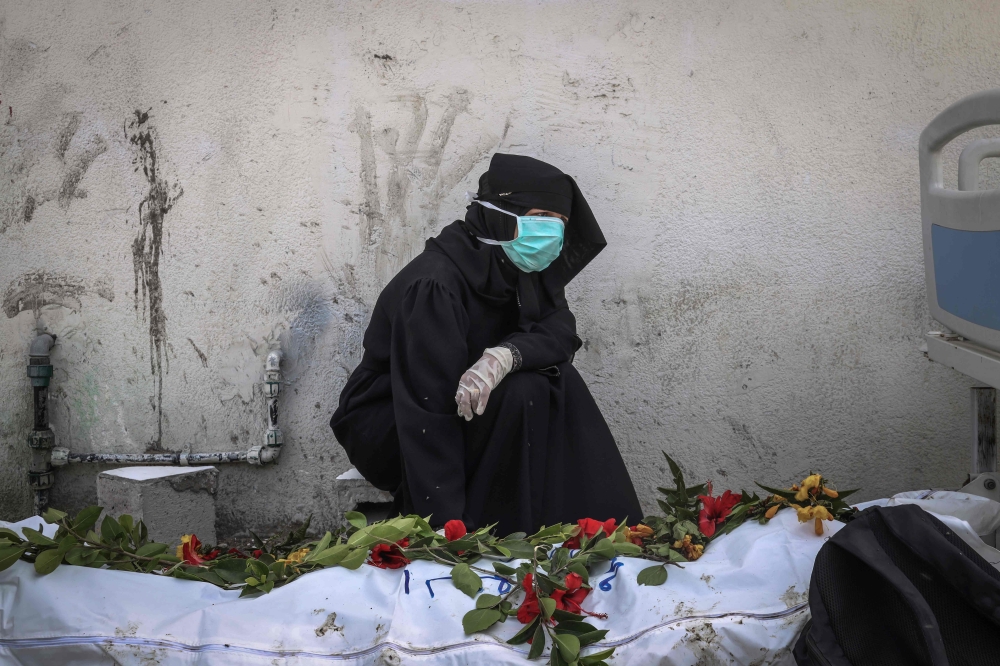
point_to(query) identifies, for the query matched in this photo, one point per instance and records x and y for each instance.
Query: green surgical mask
(539, 240)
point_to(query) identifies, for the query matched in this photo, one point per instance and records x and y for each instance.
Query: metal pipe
(61, 456)
(271, 449)
(42, 439)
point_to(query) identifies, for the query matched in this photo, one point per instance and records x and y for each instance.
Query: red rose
(715, 510)
(454, 529)
(588, 528)
(257, 553)
(389, 555)
(529, 609)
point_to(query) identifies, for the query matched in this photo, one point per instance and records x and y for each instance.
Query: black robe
(541, 453)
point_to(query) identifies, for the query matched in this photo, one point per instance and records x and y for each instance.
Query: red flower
(189, 550)
(588, 528)
(571, 598)
(715, 510)
(257, 553)
(529, 609)
(236, 552)
(388, 556)
(454, 529)
(212, 555)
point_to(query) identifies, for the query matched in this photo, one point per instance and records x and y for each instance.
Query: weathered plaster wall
(187, 183)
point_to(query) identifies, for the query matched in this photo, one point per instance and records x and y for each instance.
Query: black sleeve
(428, 356)
(545, 343)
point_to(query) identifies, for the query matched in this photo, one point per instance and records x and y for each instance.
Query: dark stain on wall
(36, 289)
(147, 248)
(200, 353)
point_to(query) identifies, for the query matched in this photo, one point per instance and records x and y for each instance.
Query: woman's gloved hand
(479, 381)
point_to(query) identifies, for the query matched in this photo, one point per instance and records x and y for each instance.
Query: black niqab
(517, 183)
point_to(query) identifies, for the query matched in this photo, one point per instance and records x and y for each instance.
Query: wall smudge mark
(36, 289)
(200, 353)
(146, 251)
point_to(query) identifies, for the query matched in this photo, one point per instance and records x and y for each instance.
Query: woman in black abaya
(479, 320)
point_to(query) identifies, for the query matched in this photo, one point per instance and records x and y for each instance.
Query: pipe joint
(41, 480)
(60, 456)
(42, 439)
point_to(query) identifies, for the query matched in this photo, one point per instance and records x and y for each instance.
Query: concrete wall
(185, 184)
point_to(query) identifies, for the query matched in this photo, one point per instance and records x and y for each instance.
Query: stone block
(172, 501)
(353, 493)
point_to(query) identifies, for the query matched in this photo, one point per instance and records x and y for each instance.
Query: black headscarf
(517, 184)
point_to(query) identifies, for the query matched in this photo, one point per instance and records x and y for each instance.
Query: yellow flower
(808, 483)
(820, 512)
(296, 557)
(830, 492)
(688, 549)
(772, 511)
(641, 531)
(180, 549)
(819, 527)
(805, 513)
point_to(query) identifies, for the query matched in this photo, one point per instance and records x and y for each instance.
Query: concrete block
(172, 501)
(353, 493)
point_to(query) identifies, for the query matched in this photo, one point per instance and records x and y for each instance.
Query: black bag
(897, 587)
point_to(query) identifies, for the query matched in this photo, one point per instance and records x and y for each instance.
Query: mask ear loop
(490, 241)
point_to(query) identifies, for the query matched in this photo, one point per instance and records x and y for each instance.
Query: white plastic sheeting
(743, 603)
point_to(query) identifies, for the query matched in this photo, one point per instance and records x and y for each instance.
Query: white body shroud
(743, 603)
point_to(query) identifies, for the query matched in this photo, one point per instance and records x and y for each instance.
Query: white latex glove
(479, 381)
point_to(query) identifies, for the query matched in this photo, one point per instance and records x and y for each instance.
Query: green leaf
(357, 519)
(464, 579)
(526, 632)
(47, 561)
(53, 515)
(519, 550)
(332, 556)
(503, 569)
(151, 549)
(502, 550)
(86, 519)
(257, 568)
(678, 475)
(591, 659)
(547, 606)
(126, 522)
(75, 556)
(36, 537)
(604, 548)
(787, 493)
(480, 619)
(66, 543)
(674, 556)
(575, 627)
(110, 529)
(626, 548)
(10, 555)
(654, 575)
(355, 559)
(10, 535)
(569, 646)
(566, 616)
(592, 637)
(579, 568)
(487, 600)
(323, 544)
(560, 558)
(537, 643)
